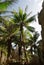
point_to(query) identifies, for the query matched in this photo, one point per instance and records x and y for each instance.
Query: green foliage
(13, 30)
(20, 13)
(3, 29)
(29, 20)
(30, 28)
(5, 4)
(35, 37)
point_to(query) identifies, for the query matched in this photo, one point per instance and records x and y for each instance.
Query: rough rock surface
(41, 21)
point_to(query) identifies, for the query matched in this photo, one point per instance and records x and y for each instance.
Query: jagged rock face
(41, 21)
(43, 4)
(41, 17)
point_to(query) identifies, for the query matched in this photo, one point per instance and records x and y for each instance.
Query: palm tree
(8, 33)
(21, 18)
(34, 45)
(32, 41)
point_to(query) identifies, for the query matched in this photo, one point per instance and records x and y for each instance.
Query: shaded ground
(17, 63)
(25, 64)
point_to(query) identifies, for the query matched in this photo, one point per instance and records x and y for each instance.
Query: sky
(34, 6)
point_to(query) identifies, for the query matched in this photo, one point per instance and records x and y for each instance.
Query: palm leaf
(16, 17)
(35, 37)
(24, 16)
(29, 20)
(20, 13)
(27, 34)
(26, 8)
(3, 29)
(5, 4)
(30, 28)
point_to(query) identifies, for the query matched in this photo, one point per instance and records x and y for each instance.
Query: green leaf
(24, 16)
(20, 13)
(30, 28)
(35, 37)
(31, 19)
(3, 6)
(16, 17)
(28, 33)
(2, 29)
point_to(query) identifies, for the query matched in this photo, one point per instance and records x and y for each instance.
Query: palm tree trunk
(19, 53)
(21, 39)
(1, 55)
(25, 55)
(9, 49)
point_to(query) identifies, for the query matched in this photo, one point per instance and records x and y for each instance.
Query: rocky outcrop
(41, 21)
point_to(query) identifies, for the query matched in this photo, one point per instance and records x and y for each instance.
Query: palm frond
(31, 19)
(16, 17)
(24, 16)
(26, 8)
(30, 28)
(35, 37)
(20, 13)
(3, 29)
(5, 4)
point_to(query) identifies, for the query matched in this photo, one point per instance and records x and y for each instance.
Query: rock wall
(41, 22)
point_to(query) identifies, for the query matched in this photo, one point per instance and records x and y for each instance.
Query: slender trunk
(21, 39)
(25, 55)
(19, 53)
(1, 55)
(9, 49)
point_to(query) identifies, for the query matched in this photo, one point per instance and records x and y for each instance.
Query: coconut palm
(35, 45)
(21, 18)
(34, 39)
(8, 33)
(28, 46)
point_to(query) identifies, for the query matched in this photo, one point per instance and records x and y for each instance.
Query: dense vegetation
(16, 29)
